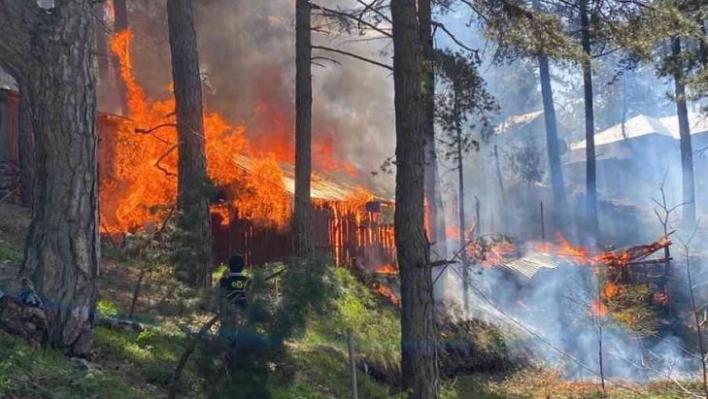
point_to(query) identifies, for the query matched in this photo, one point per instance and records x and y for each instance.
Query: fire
(387, 269)
(610, 290)
(490, 254)
(597, 309)
(660, 298)
(388, 294)
(452, 232)
(142, 183)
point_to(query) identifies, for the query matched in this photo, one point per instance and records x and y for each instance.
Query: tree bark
(418, 332)
(591, 174)
(549, 117)
(120, 17)
(433, 195)
(26, 151)
(304, 246)
(50, 53)
(192, 181)
(689, 191)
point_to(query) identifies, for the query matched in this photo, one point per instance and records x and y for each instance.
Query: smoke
(247, 52)
(550, 316)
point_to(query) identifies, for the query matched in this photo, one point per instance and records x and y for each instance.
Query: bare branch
(163, 156)
(371, 7)
(323, 58)
(358, 57)
(451, 36)
(330, 12)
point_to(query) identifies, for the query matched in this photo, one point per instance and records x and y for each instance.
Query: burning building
(255, 180)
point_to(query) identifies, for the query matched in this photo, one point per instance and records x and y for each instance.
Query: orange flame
(387, 293)
(597, 309)
(143, 167)
(610, 290)
(387, 269)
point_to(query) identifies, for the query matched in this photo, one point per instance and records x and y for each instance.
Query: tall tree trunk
(304, 246)
(192, 195)
(549, 117)
(433, 195)
(26, 150)
(419, 364)
(50, 53)
(689, 191)
(591, 173)
(554, 162)
(461, 210)
(120, 12)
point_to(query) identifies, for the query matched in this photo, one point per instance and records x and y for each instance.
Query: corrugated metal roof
(517, 121)
(640, 125)
(534, 262)
(698, 124)
(643, 125)
(325, 186)
(7, 82)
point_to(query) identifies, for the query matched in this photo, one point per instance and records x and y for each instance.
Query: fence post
(352, 363)
(543, 224)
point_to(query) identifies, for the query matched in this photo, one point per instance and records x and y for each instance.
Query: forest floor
(140, 365)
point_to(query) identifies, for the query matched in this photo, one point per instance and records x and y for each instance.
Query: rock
(22, 320)
(84, 364)
(118, 324)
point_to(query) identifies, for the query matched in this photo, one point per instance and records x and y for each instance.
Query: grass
(31, 373)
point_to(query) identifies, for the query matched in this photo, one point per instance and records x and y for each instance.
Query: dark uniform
(234, 287)
(234, 284)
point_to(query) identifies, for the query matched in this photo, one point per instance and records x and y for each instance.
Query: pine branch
(452, 36)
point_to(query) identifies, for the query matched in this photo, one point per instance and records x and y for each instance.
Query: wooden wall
(355, 238)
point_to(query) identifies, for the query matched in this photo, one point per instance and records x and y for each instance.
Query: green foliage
(33, 373)
(8, 253)
(152, 353)
(633, 306)
(259, 333)
(460, 92)
(526, 161)
(376, 330)
(106, 308)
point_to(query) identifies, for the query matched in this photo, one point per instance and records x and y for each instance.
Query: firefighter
(235, 283)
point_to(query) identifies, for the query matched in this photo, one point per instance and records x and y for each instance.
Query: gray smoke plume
(247, 53)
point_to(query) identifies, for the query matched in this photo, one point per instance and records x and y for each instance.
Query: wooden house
(359, 235)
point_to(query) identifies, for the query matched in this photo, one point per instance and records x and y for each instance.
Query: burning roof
(326, 186)
(540, 256)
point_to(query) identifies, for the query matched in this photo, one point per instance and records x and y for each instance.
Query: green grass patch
(149, 356)
(376, 329)
(10, 253)
(32, 373)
